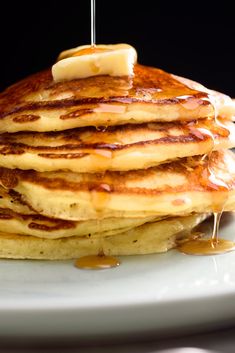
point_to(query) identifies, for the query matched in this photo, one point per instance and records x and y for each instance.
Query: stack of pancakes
(119, 165)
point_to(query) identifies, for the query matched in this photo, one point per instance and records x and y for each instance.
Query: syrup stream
(93, 32)
(215, 233)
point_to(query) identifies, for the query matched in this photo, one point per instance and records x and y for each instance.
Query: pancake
(38, 103)
(52, 228)
(149, 238)
(119, 148)
(193, 184)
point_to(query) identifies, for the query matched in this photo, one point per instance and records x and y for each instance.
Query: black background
(186, 38)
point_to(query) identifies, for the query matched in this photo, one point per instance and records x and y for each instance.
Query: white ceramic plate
(154, 293)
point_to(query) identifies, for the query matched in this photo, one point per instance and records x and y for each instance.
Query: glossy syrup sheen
(148, 85)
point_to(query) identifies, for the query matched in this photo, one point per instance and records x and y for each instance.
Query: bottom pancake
(153, 237)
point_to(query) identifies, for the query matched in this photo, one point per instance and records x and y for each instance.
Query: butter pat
(85, 61)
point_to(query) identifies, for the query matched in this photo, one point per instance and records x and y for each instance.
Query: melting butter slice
(85, 61)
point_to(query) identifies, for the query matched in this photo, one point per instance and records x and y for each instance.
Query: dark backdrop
(186, 38)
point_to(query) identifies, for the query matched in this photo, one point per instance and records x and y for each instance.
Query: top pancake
(37, 103)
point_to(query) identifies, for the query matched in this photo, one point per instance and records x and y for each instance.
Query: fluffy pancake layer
(52, 228)
(88, 150)
(39, 104)
(153, 237)
(189, 185)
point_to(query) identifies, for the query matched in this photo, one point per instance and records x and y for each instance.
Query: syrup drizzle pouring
(93, 33)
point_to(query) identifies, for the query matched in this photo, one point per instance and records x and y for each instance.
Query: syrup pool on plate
(212, 246)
